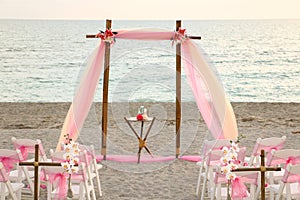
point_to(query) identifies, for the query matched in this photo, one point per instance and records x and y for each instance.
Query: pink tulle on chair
(238, 189)
(60, 180)
(8, 162)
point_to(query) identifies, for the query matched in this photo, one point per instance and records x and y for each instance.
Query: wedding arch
(208, 92)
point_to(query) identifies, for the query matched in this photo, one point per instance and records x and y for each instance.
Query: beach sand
(168, 180)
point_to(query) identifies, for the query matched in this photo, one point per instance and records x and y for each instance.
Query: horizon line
(117, 19)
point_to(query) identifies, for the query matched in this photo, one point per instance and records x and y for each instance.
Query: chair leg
(97, 177)
(204, 183)
(91, 182)
(11, 192)
(212, 196)
(2, 189)
(199, 179)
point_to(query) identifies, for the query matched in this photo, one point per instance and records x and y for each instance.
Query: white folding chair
(250, 179)
(10, 159)
(207, 146)
(83, 158)
(266, 144)
(281, 158)
(27, 149)
(289, 186)
(80, 191)
(95, 167)
(7, 188)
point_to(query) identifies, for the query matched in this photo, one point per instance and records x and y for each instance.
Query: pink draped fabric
(209, 94)
(238, 189)
(8, 162)
(293, 160)
(84, 96)
(24, 150)
(60, 180)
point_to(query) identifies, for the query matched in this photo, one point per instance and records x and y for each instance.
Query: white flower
(225, 150)
(229, 160)
(225, 169)
(230, 176)
(235, 147)
(71, 161)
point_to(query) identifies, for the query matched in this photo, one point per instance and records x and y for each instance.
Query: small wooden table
(142, 141)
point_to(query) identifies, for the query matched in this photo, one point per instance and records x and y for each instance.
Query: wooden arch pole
(178, 91)
(105, 93)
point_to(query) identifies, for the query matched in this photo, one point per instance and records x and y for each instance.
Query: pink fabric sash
(24, 150)
(60, 180)
(208, 91)
(292, 160)
(238, 189)
(267, 148)
(8, 163)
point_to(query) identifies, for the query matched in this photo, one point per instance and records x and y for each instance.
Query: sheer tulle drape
(208, 92)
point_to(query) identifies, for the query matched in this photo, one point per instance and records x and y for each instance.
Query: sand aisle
(170, 180)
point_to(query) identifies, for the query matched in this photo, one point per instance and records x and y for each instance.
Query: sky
(149, 9)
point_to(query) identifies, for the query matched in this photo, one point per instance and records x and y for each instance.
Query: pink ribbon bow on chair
(8, 163)
(61, 184)
(238, 189)
(24, 150)
(292, 160)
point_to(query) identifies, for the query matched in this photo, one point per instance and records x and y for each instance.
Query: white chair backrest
(56, 170)
(214, 157)
(214, 145)
(10, 157)
(58, 156)
(27, 146)
(268, 144)
(283, 156)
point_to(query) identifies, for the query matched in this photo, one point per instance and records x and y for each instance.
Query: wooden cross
(262, 169)
(36, 165)
(105, 89)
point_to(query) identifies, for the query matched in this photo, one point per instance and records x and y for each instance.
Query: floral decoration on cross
(107, 36)
(179, 36)
(229, 162)
(71, 150)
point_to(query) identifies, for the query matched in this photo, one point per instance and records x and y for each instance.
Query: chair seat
(13, 175)
(224, 194)
(294, 189)
(15, 187)
(277, 175)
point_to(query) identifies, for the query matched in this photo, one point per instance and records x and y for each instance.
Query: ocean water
(256, 60)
